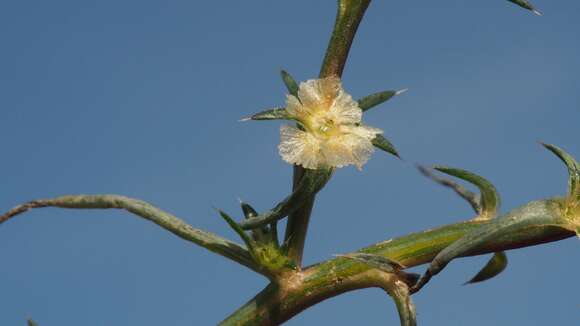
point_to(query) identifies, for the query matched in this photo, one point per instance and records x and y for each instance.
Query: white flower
(332, 134)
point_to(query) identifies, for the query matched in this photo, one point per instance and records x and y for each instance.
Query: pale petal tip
(245, 119)
(399, 92)
(536, 12)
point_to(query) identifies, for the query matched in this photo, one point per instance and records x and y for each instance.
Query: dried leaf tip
(401, 91)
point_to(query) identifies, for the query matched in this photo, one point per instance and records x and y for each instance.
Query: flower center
(322, 126)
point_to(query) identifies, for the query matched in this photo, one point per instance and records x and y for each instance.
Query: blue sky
(142, 98)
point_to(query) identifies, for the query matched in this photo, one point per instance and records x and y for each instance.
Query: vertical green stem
(348, 17)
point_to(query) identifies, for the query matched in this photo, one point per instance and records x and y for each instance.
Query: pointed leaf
(527, 5)
(375, 99)
(236, 227)
(382, 143)
(573, 170)
(31, 322)
(248, 210)
(270, 114)
(490, 200)
(494, 267)
(290, 83)
(258, 234)
(471, 197)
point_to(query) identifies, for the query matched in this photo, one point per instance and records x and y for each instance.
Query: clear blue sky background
(142, 98)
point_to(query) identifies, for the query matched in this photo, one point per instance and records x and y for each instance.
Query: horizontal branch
(300, 290)
(149, 212)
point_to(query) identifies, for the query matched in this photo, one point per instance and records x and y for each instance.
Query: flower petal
(309, 93)
(362, 149)
(362, 131)
(345, 110)
(318, 94)
(347, 149)
(299, 147)
(295, 108)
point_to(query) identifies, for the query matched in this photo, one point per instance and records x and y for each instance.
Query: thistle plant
(321, 130)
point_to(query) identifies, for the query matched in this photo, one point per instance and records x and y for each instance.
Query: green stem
(299, 290)
(348, 17)
(210, 241)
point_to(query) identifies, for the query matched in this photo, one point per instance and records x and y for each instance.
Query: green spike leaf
(290, 83)
(526, 5)
(258, 234)
(375, 99)
(487, 208)
(270, 114)
(310, 184)
(236, 227)
(384, 144)
(31, 322)
(263, 234)
(573, 170)
(490, 200)
(248, 210)
(494, 267)
(471, 197)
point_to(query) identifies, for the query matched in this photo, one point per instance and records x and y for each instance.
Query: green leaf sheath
(494, 267)
(375, 99)
(384, 264)
(534, 214)
(310, 184)
(384, 144)
(290, 83)
(376, 261)
(147, 211)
